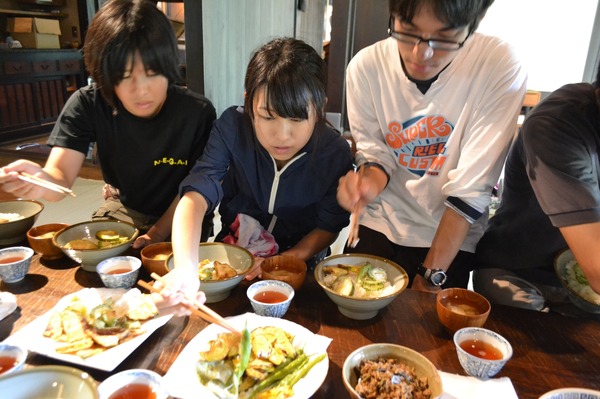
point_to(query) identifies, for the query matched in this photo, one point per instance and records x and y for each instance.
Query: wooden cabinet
(34, 86)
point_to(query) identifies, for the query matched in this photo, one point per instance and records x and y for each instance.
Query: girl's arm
(183, 280)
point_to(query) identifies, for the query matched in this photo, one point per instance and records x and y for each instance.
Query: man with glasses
(433, 110)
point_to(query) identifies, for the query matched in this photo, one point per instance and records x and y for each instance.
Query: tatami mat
(73, 210)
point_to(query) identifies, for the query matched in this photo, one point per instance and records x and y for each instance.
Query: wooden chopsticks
(355, 216)
(197, 308)
(45, 183)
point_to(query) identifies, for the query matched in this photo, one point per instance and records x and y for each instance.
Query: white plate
(182, 381)
(31, 336)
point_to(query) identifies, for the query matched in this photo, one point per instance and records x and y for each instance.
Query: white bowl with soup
(360, 284)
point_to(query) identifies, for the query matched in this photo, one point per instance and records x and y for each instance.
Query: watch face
(437, 277)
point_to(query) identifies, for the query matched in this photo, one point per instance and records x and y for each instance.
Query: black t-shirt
(145, 158)
(552, 180)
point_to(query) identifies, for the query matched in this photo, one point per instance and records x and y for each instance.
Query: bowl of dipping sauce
(119, 271)
(12, 358)
(458, 308)
(134, 383)
(14, 263)
(288, 269)
(482, 353)
(270, 297)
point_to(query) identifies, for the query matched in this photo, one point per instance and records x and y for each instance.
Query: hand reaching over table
(255, 270)
(176, 289)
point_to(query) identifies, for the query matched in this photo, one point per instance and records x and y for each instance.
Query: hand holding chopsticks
(195, 307)
(354, 218)
(45, 184)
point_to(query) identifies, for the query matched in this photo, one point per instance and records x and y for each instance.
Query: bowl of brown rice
(386, 371)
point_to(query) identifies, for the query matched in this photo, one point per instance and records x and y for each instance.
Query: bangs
(456, 14)
(157, 55)
(289, 98)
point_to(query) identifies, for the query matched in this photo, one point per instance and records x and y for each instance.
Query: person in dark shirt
(550, 201)
(147, 131)
(275, 160)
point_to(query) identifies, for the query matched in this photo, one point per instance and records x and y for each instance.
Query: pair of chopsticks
(197, 308)
(45, 183)
(355, 216)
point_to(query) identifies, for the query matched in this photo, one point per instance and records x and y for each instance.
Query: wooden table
(550, 350)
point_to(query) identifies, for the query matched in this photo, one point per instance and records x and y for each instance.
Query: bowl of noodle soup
(578, 288)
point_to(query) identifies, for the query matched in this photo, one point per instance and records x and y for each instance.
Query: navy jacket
(236, 172)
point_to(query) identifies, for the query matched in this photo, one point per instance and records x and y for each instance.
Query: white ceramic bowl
(560, 267)
(17, 353)
(119, 272)
(422, 366)
(261, 297)
(49, 382)
(477, 366)
(150, 379)
(237, 257)
(571, 393)
(15, 231)
(89, 258)
(363, 308)
(14, 263)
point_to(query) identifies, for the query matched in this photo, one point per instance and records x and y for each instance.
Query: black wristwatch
(435, 277)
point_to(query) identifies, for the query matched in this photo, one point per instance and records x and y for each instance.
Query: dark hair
(598, 76)
(294, 75)
(455, 13)
(118, 30)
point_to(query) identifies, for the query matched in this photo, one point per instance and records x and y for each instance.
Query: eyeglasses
(415, 40)
(435, 44)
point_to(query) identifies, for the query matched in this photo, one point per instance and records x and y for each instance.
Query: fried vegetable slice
(107, 235)
(224, 271)
(81, 244)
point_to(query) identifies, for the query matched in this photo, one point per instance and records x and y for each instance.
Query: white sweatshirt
(449, 142)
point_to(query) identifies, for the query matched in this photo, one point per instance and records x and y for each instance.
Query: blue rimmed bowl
(14, 263)
(270, 298)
